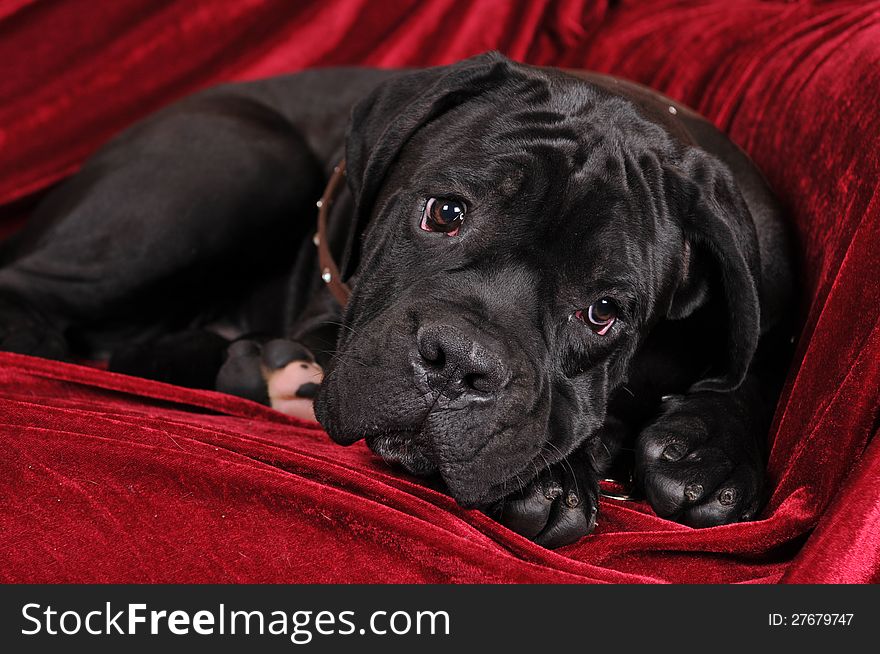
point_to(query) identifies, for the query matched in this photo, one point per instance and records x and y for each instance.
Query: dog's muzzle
(404, 449)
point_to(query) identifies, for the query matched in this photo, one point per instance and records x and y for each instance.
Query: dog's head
(518, 233)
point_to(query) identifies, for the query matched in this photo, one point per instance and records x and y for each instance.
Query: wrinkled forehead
(573, 175)
(567, 174)
(550, 116)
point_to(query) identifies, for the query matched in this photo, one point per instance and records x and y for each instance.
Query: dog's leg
(180, 213)
(557, 507)
(285, 373)
(701, 462)
(561, 504)
(282, 372)
(189, 358)
(27, 330)
(278, 372)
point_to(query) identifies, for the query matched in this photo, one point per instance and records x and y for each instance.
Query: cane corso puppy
(547, 271)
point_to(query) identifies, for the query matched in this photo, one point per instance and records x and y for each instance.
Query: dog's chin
(485, 496)
(402, 449)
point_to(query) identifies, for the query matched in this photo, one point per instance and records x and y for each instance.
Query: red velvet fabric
(108, 478)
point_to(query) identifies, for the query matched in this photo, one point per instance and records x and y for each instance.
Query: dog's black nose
(457, 363)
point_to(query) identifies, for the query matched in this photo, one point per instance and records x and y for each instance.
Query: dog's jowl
(523, 275)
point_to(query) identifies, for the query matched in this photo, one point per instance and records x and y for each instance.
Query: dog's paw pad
(293, 387)
(280, 373)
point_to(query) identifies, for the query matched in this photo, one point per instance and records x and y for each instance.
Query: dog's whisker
(339, 323)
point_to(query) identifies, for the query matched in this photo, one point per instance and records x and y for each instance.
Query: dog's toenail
(674, 451)
(309, 390)
(572, 500)
(728, 496)
(693, 492)
(552, 490)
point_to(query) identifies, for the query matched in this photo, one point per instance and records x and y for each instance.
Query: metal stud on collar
(330, 273)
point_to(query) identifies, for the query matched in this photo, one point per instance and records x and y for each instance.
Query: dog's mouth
(402, 448)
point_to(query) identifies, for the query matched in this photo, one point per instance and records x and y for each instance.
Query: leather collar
(329, 269)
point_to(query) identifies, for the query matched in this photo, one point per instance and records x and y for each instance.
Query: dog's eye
(600, 315)
(443, 215)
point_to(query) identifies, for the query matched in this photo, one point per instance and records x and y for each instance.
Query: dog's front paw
(699, 464)
(556, 508)
(280, 373)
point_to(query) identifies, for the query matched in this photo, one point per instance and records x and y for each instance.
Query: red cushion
(108, 478)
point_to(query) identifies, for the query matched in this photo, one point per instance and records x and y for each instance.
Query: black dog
(547, 269)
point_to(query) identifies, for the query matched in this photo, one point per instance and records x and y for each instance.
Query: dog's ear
(383, 122)
(719, 236)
